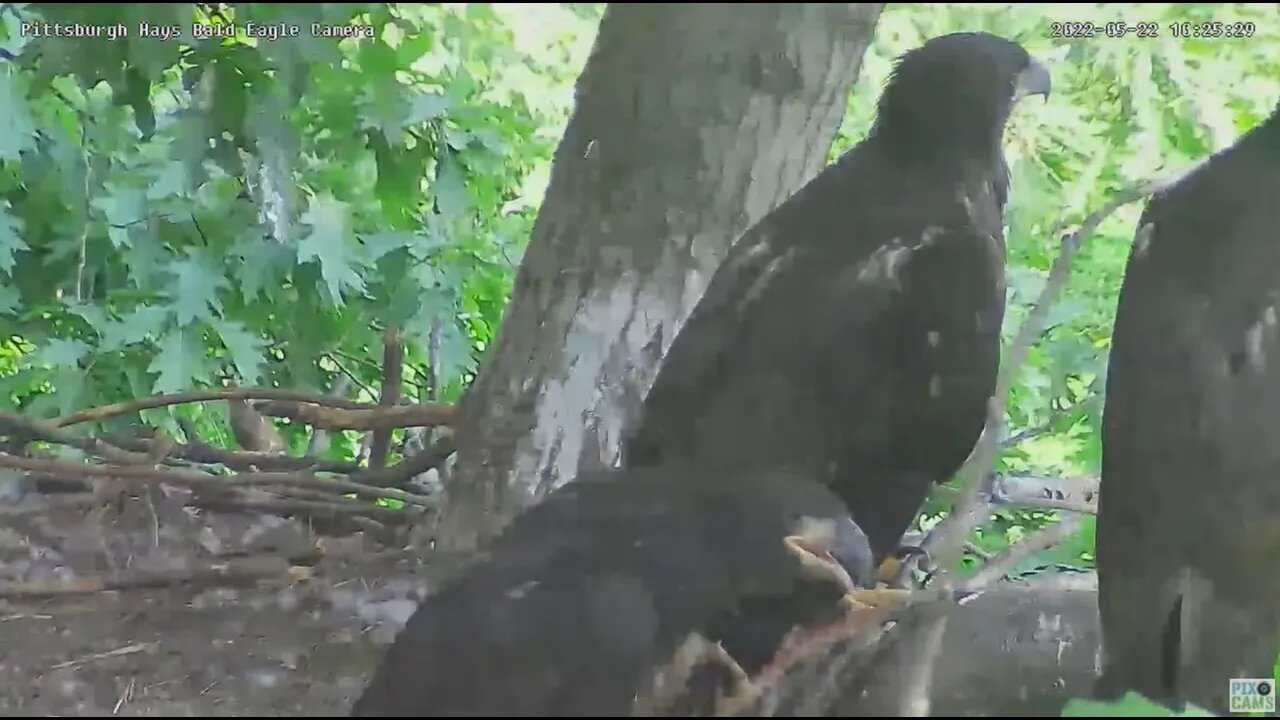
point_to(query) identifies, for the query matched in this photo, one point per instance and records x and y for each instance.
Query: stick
(243, 393)
(188, 477)
(237, 571)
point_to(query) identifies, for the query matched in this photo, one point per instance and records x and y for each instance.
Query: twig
(420, 415)
(335, 355)
(1007, 559)
(297, 506)
(973, 549)
(294, 508)
(75, 502)
(239, 570)
(38, 429)
(864, 625)
(947, 539)
(318, 435)
(411, 467)
(244, 393)
(1045, 427)
(188, 477)
(198, 452)
(389, 395)
(118, 652)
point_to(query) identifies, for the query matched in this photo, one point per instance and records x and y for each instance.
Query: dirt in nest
(277, 647)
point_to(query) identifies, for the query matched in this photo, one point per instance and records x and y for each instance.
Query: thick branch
(1076, 494)
(159, 401)
(319, 437)
(392, 372)
(411, 467)
(1007, 559)
(198, 452)
(51, 432)
(332, 418)
(66, 468)
(1040, 643)
(237, 571)
(298, 506)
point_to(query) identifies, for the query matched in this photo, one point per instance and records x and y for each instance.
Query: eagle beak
(1034, 80)
(815, 545)
(812, 547)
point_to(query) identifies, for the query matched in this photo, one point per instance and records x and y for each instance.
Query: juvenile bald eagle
(1188, 528)
(853, 333)
(615, 581)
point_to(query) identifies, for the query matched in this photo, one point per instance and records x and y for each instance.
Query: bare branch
(1079, 493)
(1047, 426)
(412, 466)
(420, 415)
(1007, 559)
(236, 571)
(947, 540)
(65, 468)
(230, 393)
(319, 436)
(38, 429)
(392, 375)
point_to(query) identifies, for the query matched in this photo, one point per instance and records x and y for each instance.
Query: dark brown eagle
(853, 333)
(1189, 508)
(656, 591)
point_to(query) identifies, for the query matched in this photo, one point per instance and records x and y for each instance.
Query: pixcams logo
(1252, 695)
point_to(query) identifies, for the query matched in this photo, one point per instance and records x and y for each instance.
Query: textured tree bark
(1012, 652)
(692, 122)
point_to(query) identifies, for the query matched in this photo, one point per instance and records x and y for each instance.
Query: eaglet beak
(1034, 80)
(831, 550)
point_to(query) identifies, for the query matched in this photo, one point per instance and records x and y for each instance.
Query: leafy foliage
(1131, 705)
(183, 212)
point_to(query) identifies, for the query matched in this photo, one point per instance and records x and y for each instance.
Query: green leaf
(11, 241)
(327, 244)
(123, 207)
(1064, 310)
(1131, 705)
(376, 245)
(146, 259)
(450, 187)
(62, 353)
(434, 237)
(262, 264)
(383, 107)
(9, 299)
(68, 389)
(17, 130)
(194, 291)
(93, 315)
(145, 321)
(170, 181)
(427, 106)
(178, 361)
(245, 348)
(14, 38)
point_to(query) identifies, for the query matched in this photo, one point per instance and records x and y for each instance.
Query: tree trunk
(692, 122)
